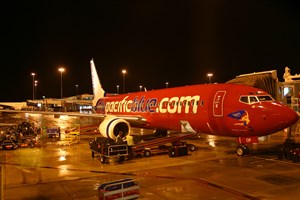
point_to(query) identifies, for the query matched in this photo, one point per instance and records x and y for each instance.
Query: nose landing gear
(242, 150)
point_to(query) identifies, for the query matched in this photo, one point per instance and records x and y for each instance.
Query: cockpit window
(254, 99)
(244, 99)
(265, 98)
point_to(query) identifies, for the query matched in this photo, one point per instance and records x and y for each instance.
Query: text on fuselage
(182, 104)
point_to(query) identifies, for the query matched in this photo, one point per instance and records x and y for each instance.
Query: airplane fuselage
(218, 109)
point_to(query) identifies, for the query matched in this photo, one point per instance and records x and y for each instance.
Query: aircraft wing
(136, 120)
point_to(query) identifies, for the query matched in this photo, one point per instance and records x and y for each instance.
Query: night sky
(156, 41)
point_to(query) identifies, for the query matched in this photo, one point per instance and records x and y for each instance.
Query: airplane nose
(274, 117)
(285, 117)
(292, 117)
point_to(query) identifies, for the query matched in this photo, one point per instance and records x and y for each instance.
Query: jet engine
(111, 126)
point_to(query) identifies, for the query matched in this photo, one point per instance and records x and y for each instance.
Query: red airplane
(232, 110)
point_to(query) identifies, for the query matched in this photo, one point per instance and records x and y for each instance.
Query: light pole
(167, 84)
(61, 88)
(209, 77)
(61, 82)
(124, 72)
(76, 89)
(35, 85)
(32, 74)
(118, 86)
(141, 87)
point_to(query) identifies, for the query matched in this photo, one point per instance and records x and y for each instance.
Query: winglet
(186, 127)
(98, 91)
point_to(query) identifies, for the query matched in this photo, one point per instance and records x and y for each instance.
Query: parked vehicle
(296, 154)
(107, 149)
(173, 145)
(290, 150)
(8, 145)
(120, 189)
(27, 142)
(53, 132)
(24, 134)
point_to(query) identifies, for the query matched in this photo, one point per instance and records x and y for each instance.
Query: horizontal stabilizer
(186, 127)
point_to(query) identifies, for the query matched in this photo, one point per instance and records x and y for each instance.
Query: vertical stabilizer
(98, 91)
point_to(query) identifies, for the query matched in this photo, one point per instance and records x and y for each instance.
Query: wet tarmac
(213, 171)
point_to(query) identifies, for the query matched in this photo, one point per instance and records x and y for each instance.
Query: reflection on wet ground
(213, 171)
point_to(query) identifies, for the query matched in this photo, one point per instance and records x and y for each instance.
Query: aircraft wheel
(147, 153)
(103, 159)
(289, 155)
(241, 150)
(192, 147)
(172, 152)
(183, 151)
(121, 159)
(280, 154)
(295, 158)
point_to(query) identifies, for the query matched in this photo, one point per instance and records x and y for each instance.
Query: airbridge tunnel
(266, 81)
(287, 92)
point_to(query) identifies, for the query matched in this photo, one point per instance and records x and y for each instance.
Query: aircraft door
(218, 103)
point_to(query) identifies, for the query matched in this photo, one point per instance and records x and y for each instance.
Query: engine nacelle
(111, 126)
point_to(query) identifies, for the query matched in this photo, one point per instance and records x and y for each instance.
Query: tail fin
(97, 87)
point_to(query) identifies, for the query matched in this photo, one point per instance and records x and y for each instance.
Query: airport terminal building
(73, 103)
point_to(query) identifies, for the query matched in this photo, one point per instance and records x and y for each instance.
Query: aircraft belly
(216, 126)
(164, 122)
(224, 127)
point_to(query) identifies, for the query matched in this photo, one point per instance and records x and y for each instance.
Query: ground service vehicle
(53, 132)
(27, 142)
(171, 144)
(107, 149)
(8, 145)
(296, 154)
(290, 150)
(120, 189)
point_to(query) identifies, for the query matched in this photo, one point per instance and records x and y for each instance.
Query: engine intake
(111, 126)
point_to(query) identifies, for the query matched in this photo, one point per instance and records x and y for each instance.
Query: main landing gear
(242, 150)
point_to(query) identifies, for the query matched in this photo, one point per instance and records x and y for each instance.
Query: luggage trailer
(172, 144)
(109, 151)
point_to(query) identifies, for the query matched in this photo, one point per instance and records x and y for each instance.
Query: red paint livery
(216, 103)
(231, 110)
